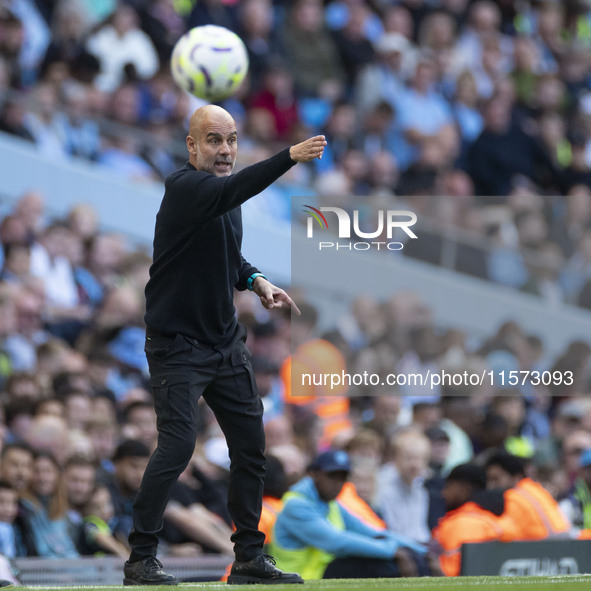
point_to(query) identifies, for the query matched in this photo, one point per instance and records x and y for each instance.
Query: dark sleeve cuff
(245, 272)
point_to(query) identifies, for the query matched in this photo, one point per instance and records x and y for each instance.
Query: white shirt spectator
(57, 275)
(404, 508)
(120, 44)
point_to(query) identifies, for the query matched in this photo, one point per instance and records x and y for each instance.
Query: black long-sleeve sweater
(197, 259)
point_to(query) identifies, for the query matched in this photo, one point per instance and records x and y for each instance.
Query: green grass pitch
(556, 583)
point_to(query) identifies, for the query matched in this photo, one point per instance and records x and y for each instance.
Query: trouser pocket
(172, 399)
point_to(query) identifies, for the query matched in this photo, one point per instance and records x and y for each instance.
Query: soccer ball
(209, 62)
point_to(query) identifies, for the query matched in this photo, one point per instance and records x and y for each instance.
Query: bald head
(212, 141)
(207, 115)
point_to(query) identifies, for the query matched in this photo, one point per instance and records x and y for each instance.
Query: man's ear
(191, 145)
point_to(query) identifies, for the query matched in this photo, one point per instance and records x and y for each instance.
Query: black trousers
(181, 371)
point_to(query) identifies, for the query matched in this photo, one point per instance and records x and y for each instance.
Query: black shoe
(147, 572)
(261, 570)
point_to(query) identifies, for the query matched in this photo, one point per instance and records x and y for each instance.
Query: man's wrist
(251, 279)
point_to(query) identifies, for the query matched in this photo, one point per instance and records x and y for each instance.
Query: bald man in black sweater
(195, 346)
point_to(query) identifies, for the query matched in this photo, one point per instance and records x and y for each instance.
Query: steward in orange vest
(306, 376)
(535, 512)
(467, 519)
(349, 499)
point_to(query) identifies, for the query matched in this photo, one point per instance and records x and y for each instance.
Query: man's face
(79, 481)
(144, 421)
(496, 477)
(129, 472)
(329, 484)
(455, 494)
(215, 143)
(17, 468)
(412, 462)
(45, 476)
(8, 505)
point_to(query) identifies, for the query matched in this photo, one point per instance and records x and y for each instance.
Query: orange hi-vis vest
(309, 363)
(271, 508)
(351, 501)
(468, 524)
(535, 512)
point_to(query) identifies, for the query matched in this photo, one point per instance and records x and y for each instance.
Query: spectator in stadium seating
(315, 536)
(105, 253)
(385, 415)
(531, 507)
(459, 417)
(353, 45)
(18, 416)
(435, 480)
(425, 116)
(311, 51)
(572, 220)
(121, 155)
(79, 477)
(51, 261)
(544, 273)
(340, 135)
(574, 359)
(121, 46)
(276, 96)
(578, 171)
(30, 209)
(16, 468)
(98, 514)
(365, 450)
(426, 415)
(130, 460)
(16, 266)
(69, 26)
(383, 80)
(103, 434)
(78, 408)
(484, 19)
(270, 387)
(45, 125)
(47, 505)
(49, 434)
(52, 407)
(261, 37)
(29, 333)
(8, 514)
(130, 369)
(577, 504)
(139, 422)
(163, 24)
(471, 517)
(401, 496)
(13, 117)
(466, 112)
(505, 148)
(567, 418)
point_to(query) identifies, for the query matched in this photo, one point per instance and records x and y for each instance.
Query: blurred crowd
(485, 103)
(78, 423)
